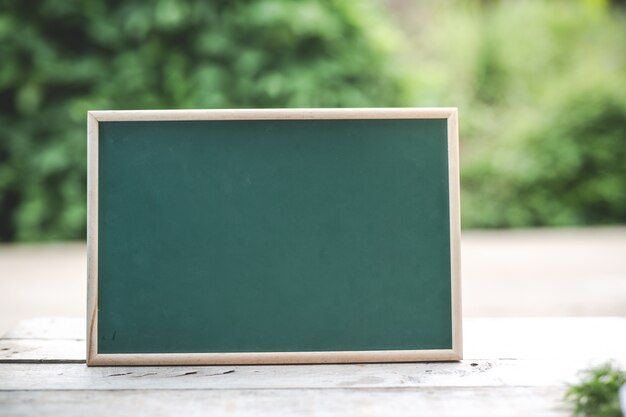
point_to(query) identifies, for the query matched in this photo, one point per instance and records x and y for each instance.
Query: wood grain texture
(444, 402)
(27, 376)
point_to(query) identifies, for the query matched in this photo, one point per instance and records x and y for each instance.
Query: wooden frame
(94, 358)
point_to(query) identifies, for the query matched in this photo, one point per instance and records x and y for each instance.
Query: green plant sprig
(597, 394)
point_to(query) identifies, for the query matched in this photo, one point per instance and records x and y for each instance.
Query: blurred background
(540, 86)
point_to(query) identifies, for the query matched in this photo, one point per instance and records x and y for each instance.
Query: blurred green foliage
(597, 393)
(541, 87)
(567, 170)
(61, 58)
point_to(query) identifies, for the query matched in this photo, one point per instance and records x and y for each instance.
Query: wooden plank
(48, 328)
(554, 348)
(27, 376)
(41, 351)
(590, 339)
(445, 402)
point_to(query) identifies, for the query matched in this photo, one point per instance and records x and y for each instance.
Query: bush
(557, 158)
(568, 170)
(62, 58)
(540, 88)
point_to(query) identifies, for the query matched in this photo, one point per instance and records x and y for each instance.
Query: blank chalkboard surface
(273, 236)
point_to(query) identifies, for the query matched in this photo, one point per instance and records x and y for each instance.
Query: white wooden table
(514, 367)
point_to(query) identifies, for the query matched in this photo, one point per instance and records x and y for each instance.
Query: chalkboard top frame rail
(94, 117)
(274, 114)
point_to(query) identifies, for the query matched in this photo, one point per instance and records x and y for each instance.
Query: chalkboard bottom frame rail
(273, 358)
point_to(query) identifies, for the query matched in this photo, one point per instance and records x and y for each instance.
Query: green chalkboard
(318, 238)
